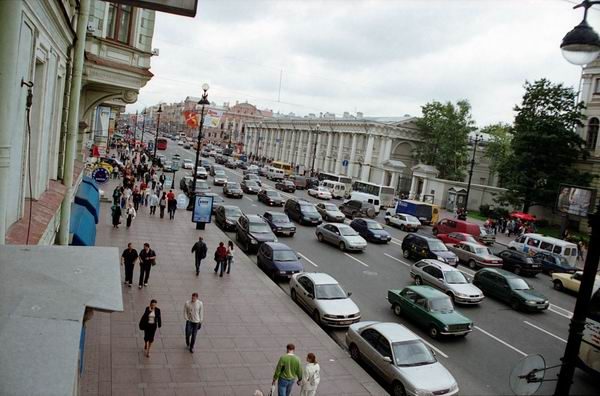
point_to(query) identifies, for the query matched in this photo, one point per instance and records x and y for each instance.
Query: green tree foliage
(544, 145)
(498, 149)
(445, 129)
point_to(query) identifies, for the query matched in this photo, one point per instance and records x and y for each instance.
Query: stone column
(424, 189)
(317, 159)
(388, 149)
(366, 169)
(352, 155)
(282, 155)
(292, 141)
(394, 180)
(309, 150)
(272, 143)
(327, 159)
(413, 182)
(340, 153)
(381, 156)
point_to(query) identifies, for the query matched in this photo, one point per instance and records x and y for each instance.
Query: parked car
(447, 279)
(280, 223)
(233, 190)
(219, 178)
(302, 212)
(278, 260)
(250, 187)
(571, 282)
(510, 288)
(251, 231)
(323, 298)
(446, 226)
(286, 185)
(456, 237)
(201, 173)
(475, 255)
(188, 164)
(431, 309)
(422, 247)
(355, 208)
(226, 217)
(519, 262)
(270, 197)
(320, 192)
(402, 358)
(552, 262)
(371, 230)
(341, 235)
(330, 212)
(403, 221)
(252, 176)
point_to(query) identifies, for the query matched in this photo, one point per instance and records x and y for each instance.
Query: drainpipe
(73, 121)
(10, 24)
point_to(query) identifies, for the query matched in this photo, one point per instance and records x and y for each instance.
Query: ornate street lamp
(157, 125)
(203, 101)
(581, 45)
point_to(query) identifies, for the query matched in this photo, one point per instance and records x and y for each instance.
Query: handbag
(273, 391)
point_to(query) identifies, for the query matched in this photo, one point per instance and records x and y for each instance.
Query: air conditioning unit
(155, 52)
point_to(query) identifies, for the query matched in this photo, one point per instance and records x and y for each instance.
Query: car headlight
(446, 328)
(275, 239)
(470, 325)
(329, 316)
(278, 228)
(282, 272)
(530, 302)
(253, 241)
(461, 295)
(454, 387)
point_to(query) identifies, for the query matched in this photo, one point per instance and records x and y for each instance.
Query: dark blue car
(278, 260)
(551, 262)
(371, 230)
(280, 223)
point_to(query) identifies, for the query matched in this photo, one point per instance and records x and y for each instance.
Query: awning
(83, 226)
(88, 196)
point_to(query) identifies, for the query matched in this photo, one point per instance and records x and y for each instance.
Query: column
(413, 181)
(394, 180)
(381, 150)
(352, 155)
(277, 145)
(340, 153)
(424, 189)
(282, 154)
(388, 149)
(316, 158)
(309, 150)
(292, 141)
(366, 169)
(327, 163)
(271, 142)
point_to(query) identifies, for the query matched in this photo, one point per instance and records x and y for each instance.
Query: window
(557, 249)
(592, 135)
(119, 22)
(533, 242)
(435, 272)
(546, 246)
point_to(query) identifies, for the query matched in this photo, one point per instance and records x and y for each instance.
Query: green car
(429, 308)
(510, 288)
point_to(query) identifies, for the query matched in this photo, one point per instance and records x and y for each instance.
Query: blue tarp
(90, 181)
(88, 196)
(83, 226)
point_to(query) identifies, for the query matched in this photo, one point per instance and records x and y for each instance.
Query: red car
(457, 237)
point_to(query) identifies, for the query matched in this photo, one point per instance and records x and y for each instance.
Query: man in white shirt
(193, 312)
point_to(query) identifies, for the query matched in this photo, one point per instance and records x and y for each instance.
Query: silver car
(330, 212)
(401, 358)
(341, 235)
(447, 279)
(220, 178)
(475, 255)
(324, 299)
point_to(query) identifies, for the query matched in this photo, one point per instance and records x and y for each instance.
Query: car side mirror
(299, 258)
(349, 294)
(387, 359)
(310, 295)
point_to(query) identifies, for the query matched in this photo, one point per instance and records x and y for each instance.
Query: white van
(337, 189)
(533, 243)
(275, 174)
(364, 197)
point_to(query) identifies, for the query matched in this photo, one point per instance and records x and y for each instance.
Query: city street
(482, 361)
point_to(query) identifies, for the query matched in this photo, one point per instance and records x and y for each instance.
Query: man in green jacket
(288, 371)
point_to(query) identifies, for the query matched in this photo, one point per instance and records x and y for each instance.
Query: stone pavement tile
(159, 392)
(263, 371)
(222, 343)
(374, 388)
(254, 356)
(126, 390)
(237, 374)
(161, 375)
(126, 375)
(213, 374)
(222, 390)
(121, 343)
(104, 388)
(185, 375)
(121, 329)
(245, 390)
(182, 358)
(189, 390)
(230, 357)
(206, 359)
(245, 343)
(128, 358)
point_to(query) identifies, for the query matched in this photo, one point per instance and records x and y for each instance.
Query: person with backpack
(220, 258)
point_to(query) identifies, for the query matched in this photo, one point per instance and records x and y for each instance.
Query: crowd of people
(509, 226)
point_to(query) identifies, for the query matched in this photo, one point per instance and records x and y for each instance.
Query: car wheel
(434, 332)
(354, 353)
(387, 221)
(418, 280)
(320, 237)
(515, 304)
(472, 264)
(317, 317)
(517, 270)
(451, 295)
(294, 295)
(558, 285)
(342, 246)
(398, 389)
(406, 254)
(402, 228)
(397, 309)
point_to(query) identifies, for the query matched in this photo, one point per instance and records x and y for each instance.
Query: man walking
(199, 249)
(128, 258)
(147, 257)
(193, 312)
(288, 371)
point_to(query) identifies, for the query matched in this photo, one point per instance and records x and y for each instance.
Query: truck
(426, 213)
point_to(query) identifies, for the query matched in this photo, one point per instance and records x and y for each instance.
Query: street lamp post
(203, 101)
(157, 126)
(581, 46)
(136, 126)
(143, 125)
(312, 167)
(478, 138)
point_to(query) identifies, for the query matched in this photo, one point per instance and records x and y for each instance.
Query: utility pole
(157, 126)
(475, 141)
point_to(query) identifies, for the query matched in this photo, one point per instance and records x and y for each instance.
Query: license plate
(286, 232)
(346, 322)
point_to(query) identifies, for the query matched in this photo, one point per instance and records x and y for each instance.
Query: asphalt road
(481, 362)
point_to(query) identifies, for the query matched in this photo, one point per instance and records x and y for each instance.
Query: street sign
(345, 163)
(100, 175)
(202, 209)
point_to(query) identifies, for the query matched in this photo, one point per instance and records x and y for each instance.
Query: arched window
(592, 135)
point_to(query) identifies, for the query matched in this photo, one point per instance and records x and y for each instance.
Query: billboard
(178, 7)
(576, 201)
(202, 209)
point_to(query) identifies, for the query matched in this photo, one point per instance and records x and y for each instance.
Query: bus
(589, 351)
(161, 143)
(284, 166)
(385, 193)
(345, 180)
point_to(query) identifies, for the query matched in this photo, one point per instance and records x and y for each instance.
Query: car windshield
(437, 246)
(482, 231)
(324, 189)
(348, 231)
(441, 305)
(412, 219)
(233, 212)
(518, 284)
(201, 185)
(284, 255)
(259, 228)
(482, 250)
(412, 353)
(308, 209)
(219, 173)
(455, 278)
(271, 193)
(201, 170)
(563, 262)
(233, 185)
(280, 218)
(251, 183)
(330, 292)
(330, 207)
(373, 225)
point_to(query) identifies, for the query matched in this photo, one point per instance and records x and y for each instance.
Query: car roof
(473, 244)
(498, 271)
(278, 246)
(426, 291)
(254, 218)
(442, 266)
(393, 332)
(320, 278)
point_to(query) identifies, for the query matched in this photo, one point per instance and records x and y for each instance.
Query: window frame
(114, 35)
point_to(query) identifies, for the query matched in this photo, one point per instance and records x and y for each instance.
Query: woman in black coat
(116, 215)
(149, 322)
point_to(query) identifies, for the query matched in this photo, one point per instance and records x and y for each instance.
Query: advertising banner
(574, 200)
(212, 118)
(202, 209)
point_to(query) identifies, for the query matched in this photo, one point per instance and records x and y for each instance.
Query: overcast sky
(380, 57)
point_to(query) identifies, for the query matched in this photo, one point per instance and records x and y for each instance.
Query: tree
(445, 130)
(544, 146)
(498, 148)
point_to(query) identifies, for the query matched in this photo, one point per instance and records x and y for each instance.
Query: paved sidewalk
(247, 323)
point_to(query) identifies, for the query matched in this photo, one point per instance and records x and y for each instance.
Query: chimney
(359, 114)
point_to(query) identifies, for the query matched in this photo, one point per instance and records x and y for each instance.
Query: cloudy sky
(380, 57)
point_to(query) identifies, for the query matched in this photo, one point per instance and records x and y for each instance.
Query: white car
(403, 221)
(188, 164)
(201, 173)
(320, 192)
(180, 143)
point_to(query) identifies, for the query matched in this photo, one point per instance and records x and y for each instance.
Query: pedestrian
(288, 371)
(128, 259)
(116, 215)
(127, 195)
(199, 249)
(149, 322)
(162, 204)
(193, 312)
(171, 206)
(136, 198)
(153, 202)
(580, 250)
(220, 258)
(147, 260)
(229, 256)
(130, 213)
(311, 376)
(117, 195)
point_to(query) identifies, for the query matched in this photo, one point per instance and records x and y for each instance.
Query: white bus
(534, 243)
(384, 193)
(347, 181)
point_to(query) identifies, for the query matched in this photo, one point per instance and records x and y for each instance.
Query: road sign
(100, 175)
(345, 163)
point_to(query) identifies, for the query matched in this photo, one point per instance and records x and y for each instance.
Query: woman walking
(130, 213)
(171, 204)
(153, 201)
(149, 322)
(162, 204)
(311, 376)
(136, 198)
(116, 215)
(220, 258)
(229, 256)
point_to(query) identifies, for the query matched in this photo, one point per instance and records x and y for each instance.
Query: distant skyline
(378, 57)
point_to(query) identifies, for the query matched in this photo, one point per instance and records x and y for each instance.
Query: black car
(280, 223)
(371, 230)
(510, 288)
(423, 247)
(270, 197)
(185, 182)
(286, 185)
(302, 212)
(226, 217)
(354, 208)
(250, 187)
(230, 164)
(251, 231)
(278, 260)
(552, 262)
(519, 262)
(312, 182)
(233, 189)
(252, 176)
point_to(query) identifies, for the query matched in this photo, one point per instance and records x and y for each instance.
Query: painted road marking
(435, 349)
(249, 199)
(545, 331)
(560, 311)
(307, 259)
(500, 341)
(397, 259)
(357, 260)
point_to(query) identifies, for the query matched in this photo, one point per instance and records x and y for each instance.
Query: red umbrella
(523, 216)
